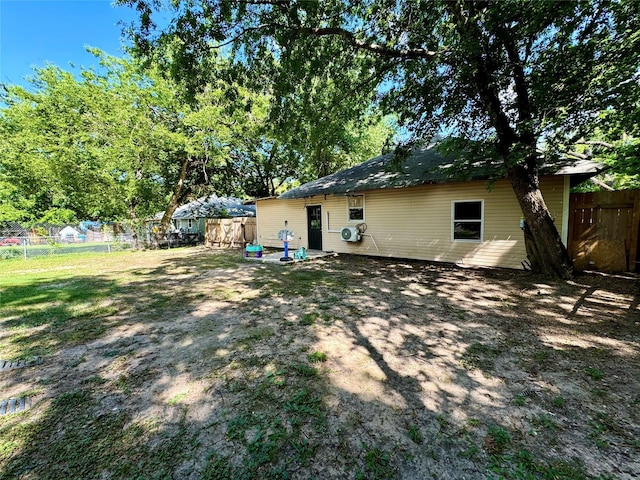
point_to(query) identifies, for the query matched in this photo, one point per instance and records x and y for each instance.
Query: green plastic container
(257, 249)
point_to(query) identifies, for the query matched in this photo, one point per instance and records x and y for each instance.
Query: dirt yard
(194, 363)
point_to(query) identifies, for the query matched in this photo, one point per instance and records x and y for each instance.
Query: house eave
(424, 166)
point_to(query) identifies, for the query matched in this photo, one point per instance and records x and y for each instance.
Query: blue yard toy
(300, 254)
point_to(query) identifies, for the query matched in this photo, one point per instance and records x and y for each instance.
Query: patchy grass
(415, 435)
(559, 402)
(497, 439)
(308, 318)
(74, 443)
(377, 464)
(480, 356)
(193, 363)
(317, 357)
(594, 372)
(177, 399)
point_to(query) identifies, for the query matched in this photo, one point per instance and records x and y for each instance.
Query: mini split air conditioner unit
(350, 234)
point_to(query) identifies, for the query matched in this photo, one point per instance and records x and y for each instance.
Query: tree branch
(382, 50)
(579, 156)
(284, 3)
(520, 86)
(350, 37)
(241, 34)
(483, 81)
(601, 184)
(598, 143)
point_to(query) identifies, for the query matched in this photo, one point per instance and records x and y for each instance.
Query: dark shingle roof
(378, 173)
(424, 165)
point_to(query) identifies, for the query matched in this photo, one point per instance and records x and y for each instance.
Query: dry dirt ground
(208, 366)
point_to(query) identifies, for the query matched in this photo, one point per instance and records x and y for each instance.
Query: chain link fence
(29, 247)
(41, 240)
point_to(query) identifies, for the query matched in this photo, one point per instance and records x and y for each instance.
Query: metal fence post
(24, 247)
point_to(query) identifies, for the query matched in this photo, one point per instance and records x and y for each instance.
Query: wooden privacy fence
(604, 229)
(229, 232)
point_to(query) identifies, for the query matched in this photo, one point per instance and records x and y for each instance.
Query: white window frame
(349, 208)
(453, 221)
(189, 223)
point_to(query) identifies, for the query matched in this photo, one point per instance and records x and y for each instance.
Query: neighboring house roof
(424, 165)
(212, 207)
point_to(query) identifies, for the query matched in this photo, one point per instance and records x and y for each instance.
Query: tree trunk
(134, 223)
(179, 193)
(545, 250)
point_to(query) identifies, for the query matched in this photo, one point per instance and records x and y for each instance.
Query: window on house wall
(467, 220)
(355, 208)
(190, 223)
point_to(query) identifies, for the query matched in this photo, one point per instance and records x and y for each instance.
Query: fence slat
(604, 230)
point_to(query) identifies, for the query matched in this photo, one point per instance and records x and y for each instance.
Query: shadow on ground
(195, 364)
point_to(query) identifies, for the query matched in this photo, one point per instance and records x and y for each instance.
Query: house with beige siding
(415, 210)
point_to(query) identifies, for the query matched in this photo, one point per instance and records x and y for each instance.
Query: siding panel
(416, 222)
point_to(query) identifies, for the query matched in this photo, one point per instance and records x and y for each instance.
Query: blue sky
(34, 32)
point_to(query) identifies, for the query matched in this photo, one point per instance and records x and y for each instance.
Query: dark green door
(314, 226)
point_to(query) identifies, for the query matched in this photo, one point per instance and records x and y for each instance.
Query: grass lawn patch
(193, 363)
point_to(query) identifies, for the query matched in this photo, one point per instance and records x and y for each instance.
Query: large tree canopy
(120, 143)
(316, 121)
(508, 73)
(112, 144)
